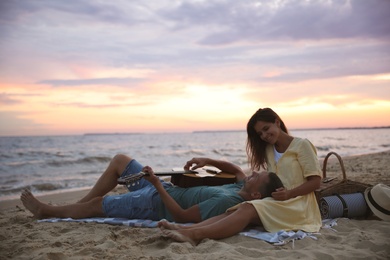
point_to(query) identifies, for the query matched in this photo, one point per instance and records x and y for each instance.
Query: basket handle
(340, 161)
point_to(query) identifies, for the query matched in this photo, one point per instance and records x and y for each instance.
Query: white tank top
(277, 155)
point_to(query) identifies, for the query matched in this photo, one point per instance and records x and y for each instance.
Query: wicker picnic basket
(333, 186)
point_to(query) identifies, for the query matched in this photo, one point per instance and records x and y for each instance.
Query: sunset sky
(87, 66)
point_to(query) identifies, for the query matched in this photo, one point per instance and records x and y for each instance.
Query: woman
(293, 207)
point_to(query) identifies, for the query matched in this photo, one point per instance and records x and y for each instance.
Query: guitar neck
(169, 173)
(135, 177)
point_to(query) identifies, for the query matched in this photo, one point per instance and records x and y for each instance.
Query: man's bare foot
(32, 204)
(179, 236)
(164, 224)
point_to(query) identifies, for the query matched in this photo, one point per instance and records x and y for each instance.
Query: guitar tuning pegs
(130, 184)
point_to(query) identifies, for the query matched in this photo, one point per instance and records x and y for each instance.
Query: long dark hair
(255, 146)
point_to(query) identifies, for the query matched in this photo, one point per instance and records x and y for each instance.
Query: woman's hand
(312, 183)
(153, 179)
(281, 194)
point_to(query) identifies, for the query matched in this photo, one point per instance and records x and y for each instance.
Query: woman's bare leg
(41, 210)
(228, 226)
(164, 224)
(108, 180)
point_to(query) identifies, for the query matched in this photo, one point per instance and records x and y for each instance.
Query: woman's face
(268, 132)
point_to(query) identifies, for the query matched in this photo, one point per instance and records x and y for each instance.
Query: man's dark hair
(273, 184)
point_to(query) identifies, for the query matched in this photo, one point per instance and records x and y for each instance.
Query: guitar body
(191, 180)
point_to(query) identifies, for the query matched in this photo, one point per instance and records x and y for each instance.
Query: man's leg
(108, 180)
(92, 208)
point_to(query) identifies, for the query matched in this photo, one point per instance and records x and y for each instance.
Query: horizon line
(200, 131)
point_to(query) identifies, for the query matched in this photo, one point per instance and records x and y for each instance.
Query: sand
(22, 237)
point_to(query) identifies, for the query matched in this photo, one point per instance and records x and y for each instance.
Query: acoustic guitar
(185, 179)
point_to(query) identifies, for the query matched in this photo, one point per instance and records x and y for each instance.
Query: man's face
(253, 182)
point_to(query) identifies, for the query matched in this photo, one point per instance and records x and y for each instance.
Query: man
(155, 199)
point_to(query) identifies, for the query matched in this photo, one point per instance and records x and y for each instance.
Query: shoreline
(22, 237)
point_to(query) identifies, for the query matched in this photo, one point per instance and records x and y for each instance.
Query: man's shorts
(141, 202)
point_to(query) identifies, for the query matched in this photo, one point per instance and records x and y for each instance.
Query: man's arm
(179, 214)
(224, 166)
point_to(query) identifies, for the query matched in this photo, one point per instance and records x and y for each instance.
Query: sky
(119, 66)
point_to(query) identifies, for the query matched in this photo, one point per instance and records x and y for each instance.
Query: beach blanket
(276, 238)
(141, 223)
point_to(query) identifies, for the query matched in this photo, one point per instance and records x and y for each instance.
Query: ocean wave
(323, 148)
(16, 164)
(334, 138)
(196, 152)
(41, 154)
(335, 147)
(94, 159)
(42, 187)
(5, 155)
(85, 160)
(175, 146)
(230, 153)
(8, 181)
(89, 172)
(46, 186)
(189, 153)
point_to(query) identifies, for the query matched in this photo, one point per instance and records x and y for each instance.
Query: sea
(55, 164)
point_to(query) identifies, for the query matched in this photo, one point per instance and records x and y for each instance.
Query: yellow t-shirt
(300, 213)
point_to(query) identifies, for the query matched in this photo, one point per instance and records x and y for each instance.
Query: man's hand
(281, 194)
(153, 179)
(199, 162)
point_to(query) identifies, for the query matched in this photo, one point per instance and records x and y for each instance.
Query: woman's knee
(248, 210)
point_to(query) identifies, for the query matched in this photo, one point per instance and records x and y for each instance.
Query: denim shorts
(141, 202)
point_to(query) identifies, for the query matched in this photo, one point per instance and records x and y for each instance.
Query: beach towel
(276, 238)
